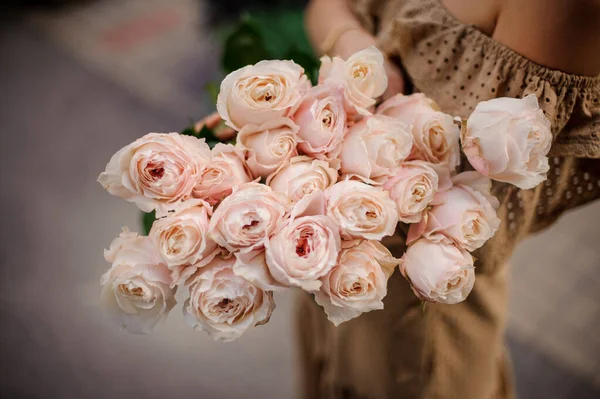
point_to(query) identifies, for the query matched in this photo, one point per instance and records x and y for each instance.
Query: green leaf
(205, 133)
(147, 221)
(212, 89)
(244, 46)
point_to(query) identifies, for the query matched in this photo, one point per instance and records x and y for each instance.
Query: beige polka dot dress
(456, 351)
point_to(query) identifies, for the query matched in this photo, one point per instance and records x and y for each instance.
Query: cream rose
(253, 267)
(245, 220)
(302, 176)
(374, 148)
(306, 246)
(358, 283)
(259, 93)
(508, 139)
(362, 211)
(136, 291)
(182, 240)
(322, 121)
(268, 146)
(362, 75)
(438, 271)
(465, 215)
(157, 171)
(223, 304)
(435, 135)
(227, 170)
(413, 187)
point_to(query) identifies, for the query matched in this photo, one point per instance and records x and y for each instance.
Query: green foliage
(266, 35)
(147, 221)
(205, 133)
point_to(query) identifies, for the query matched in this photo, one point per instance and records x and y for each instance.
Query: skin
(559, 34)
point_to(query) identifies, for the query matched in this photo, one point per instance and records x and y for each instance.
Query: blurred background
(81, 79)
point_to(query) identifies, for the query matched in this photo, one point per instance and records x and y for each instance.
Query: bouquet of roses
(317, 176)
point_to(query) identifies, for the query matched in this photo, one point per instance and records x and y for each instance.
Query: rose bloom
(374, 148)
(245, 220)
(302, 176)
(136, 291)
(508, 139)
(182, 240)
(259, 93)
(362, 75)
(227, 170)
(322, 121)
(157, 171)
(435, 135)
(362, 211)
(253, 267)
(358, 282)
(306, 246)
(413, 187)
(465, 215)
(268, 146)
(438, 271)
(223, 304)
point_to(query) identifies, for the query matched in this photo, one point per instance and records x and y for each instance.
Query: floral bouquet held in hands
(317, 177)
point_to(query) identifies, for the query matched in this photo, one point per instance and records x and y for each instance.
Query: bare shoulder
(561, 34)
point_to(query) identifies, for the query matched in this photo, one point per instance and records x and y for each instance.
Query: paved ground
(78, 85)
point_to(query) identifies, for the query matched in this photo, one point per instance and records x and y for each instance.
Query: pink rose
(259, 93)
(182, 240)
(253, 267)
(438, 271)
(245, 220)
(413, 187)
(508, 139)
(157, 171)
(268, 146)
(223, 304)
(302, 176)
(136, 291)
(358, 282)
(362, 75)
(466, 215)
(226, 171)
(362, 211)
(306, 246)
(322, 121)
(435, 135)
(374, 148)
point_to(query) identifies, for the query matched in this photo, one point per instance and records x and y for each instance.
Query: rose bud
(358, 282)
(413, 187)
(268, 146)
(157, 171)
(362, 211)
(306, 246)
(223, 304)
(226, 171)
(465, 214)
(302, 176)
(136, 291)
(322, 121)
(508, 139)
(182, 240)
(438, 271)
(435, 135)
(362, 75)
(374, 148)
(259, 93)
(245, 220)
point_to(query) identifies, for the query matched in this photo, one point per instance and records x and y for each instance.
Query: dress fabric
(455, 351)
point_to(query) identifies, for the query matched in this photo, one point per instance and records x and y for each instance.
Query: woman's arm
(332, 19)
